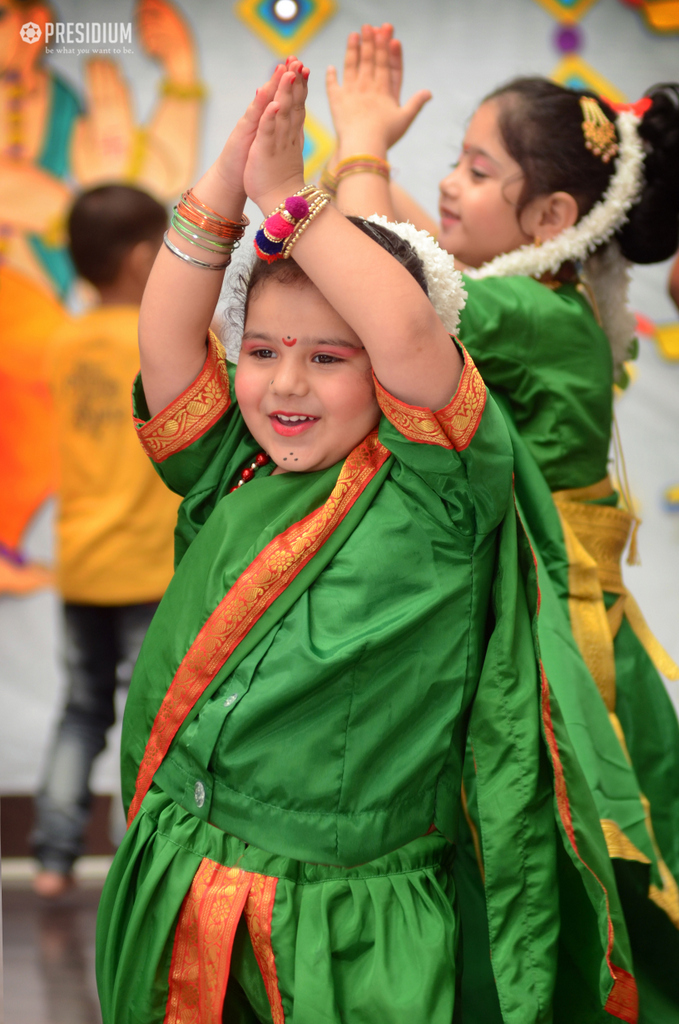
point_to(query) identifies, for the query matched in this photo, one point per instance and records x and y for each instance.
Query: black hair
(105, 223)
(541, 127)
(288, 272)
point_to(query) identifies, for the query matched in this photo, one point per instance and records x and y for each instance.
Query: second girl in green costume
(544, 184)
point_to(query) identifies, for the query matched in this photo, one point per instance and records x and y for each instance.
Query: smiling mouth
(447, 216)
(290, 424)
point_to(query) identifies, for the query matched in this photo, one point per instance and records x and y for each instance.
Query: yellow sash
(595, 537)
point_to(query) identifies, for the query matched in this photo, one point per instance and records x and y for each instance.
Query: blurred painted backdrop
(214, 54)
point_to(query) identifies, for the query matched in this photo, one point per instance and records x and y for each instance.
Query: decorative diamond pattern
(575, 73)
(566, 10)
(285, 25)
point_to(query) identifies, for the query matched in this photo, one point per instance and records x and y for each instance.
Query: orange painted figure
(51, 144)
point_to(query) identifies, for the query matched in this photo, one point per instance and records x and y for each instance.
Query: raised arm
(180, 298)
(369, 118)
(410, 350)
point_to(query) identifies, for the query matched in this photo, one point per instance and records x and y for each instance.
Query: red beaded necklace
(249, 471)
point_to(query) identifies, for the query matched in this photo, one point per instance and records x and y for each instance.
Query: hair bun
(651, 233)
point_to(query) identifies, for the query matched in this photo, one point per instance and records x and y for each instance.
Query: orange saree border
(451, 427)
(258, 913)
(623, 999)
(254, 591)
(192, 413)
(201, 956)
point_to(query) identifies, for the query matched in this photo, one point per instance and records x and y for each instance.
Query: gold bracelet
(361, 164)
(195, 91)
(317, 204)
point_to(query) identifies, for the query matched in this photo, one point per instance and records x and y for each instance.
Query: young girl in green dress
(352, 599)
(554, 192)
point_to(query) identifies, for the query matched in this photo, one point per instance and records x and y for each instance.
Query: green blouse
(341, 731)
(544, 351)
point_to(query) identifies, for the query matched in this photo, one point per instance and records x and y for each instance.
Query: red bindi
(290, 341)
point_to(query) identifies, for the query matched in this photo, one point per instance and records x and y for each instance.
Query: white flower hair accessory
(605, 270)
(594, 229)
(444, 282)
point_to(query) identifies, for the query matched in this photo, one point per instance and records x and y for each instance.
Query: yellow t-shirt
(116, 518)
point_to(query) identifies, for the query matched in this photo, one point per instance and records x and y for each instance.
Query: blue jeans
(102, 645)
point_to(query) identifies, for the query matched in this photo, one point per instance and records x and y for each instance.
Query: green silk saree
(548, 364)
(294, 740)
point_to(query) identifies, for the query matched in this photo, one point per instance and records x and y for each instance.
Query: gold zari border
(258, 912)
(201, 957)
(621, 847)
(451, 427)
(191, 414)
(203, 942)
(618, 844)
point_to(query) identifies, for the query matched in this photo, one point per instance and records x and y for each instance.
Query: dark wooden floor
(49, 946)
(49, 957)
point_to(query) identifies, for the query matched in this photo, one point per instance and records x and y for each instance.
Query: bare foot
(52, 884)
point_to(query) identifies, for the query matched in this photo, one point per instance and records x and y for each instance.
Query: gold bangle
(195, 91)
(361, 164)
(316, 206)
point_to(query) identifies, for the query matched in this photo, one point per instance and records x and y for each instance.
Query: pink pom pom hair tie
(281, 229)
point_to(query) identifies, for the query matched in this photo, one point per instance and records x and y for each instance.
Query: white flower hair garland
(444, 282)
(606, 271)
(594, 229)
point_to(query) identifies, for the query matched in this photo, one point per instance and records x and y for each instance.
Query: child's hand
(275, 166)
(366, 108)
(230, 163)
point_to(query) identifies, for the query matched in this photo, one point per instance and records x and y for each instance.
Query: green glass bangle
(203, 241)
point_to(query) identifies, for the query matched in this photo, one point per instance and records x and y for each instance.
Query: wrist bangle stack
(191, 259)
(281, 229)
(206, 229)
(361, 164)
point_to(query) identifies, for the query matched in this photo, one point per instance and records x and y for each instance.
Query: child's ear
(547, 216)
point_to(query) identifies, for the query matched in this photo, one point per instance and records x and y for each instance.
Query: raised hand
(366, 107)
(166, 37)
(230, 164)
(275, 166)
(104, 138)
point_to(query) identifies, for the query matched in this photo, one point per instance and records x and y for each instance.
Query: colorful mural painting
(52, 142)
(285, 25)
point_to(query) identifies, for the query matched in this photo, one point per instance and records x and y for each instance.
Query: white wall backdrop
(459, 50)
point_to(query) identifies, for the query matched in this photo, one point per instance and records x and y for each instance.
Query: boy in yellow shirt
(115, 518)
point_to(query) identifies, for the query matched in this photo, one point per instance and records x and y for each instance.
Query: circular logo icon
(30, 32)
